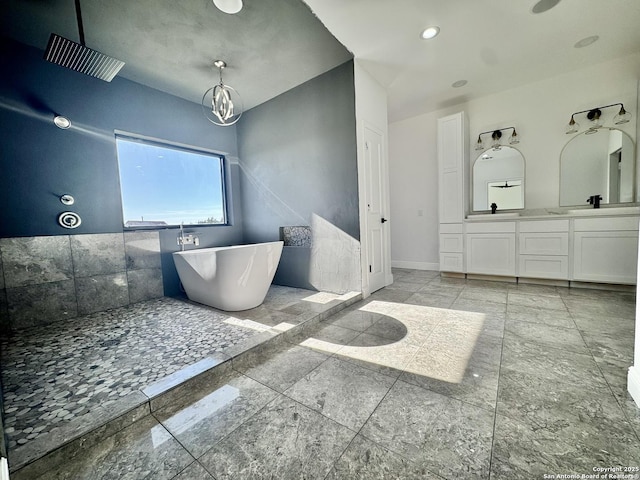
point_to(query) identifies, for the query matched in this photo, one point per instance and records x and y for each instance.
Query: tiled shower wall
(46, 279)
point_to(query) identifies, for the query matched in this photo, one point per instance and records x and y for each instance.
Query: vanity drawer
(543, 266)
(451, 262)
(544, 226)
(605, 224)
(451, 243)
(491, 227)
(552, 243)
(451, 228)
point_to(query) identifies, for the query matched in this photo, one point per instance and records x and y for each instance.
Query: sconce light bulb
(495, 136)
(514, 139)
(479, 145)
(594, 118)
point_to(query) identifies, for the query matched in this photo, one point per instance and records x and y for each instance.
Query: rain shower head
(78, 57)
(75, 56)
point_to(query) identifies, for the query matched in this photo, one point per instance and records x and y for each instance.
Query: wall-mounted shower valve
(69, 220)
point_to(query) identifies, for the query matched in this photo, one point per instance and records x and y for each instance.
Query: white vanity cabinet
(568, 246)
(581, 248)
(453, 187)
(451, 247)
(491, 248)
(543, 249)
(605, 249)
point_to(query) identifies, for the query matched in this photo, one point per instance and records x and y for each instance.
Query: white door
(376, 220)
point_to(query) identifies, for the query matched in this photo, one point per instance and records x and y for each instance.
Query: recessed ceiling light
(228, 6)
(585, 42)
(62, 122)
(430, 32)
(459, 83)
(544, 5)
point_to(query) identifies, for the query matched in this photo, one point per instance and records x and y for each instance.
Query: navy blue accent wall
(298, 158)
(40, 162)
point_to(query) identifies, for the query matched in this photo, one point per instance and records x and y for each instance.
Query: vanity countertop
(551, 213)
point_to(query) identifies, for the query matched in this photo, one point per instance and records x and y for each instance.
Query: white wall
(413, 182)
(539, 111)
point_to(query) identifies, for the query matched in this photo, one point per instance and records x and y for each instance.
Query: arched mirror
(498, 177)
(597, 162)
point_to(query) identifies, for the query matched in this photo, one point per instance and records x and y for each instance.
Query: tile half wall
(50, 278)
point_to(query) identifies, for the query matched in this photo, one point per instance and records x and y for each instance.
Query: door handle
(382, 220)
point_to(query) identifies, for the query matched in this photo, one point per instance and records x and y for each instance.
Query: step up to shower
(71, 440)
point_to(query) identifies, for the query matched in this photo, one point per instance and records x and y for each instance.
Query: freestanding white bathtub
(229, 278)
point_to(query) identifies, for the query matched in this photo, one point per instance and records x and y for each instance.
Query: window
(164, 185)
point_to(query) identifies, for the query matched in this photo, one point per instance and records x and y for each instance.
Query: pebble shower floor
(55, 373)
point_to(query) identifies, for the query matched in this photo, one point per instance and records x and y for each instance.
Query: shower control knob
(69, 220)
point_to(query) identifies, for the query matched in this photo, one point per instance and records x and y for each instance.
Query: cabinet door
(491, 253)
(451, 210)
(451, 243)
(450, 168)
(607, 257)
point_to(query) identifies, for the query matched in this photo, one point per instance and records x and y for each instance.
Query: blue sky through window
(168, 184)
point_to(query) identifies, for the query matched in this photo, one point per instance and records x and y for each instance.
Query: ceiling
(493, 44)
(272, 46)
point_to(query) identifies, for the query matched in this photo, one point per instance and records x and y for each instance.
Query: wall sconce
(496, 135)
(593, 115)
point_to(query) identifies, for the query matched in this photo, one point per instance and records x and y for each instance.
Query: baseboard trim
(544, 281)
(491, 278)
(633, 384)
(415, 265)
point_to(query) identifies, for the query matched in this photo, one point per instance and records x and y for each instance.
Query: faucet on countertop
(594, 200)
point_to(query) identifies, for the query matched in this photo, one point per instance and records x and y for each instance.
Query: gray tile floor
(429, 378)
(62, 372)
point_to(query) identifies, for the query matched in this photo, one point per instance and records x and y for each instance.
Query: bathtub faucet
(186, 239)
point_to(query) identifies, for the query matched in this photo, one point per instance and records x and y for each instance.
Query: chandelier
(221, 104)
